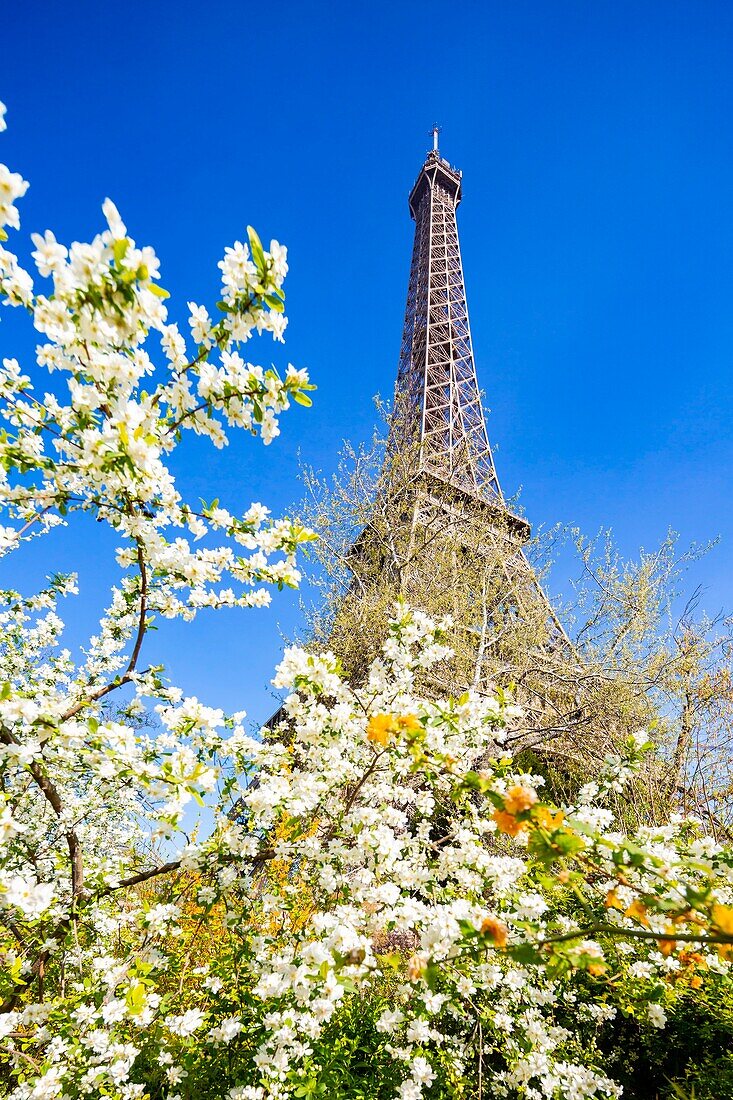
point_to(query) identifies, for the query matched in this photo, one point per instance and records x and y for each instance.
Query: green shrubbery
(691, 1058)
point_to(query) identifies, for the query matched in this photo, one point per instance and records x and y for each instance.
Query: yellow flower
(723, 918)
(545, 818)
(381, 728)
(409, 723)
(507, 823)
(637, 911)
(519, 799)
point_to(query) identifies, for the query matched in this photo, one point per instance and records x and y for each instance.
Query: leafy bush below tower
(637, 652)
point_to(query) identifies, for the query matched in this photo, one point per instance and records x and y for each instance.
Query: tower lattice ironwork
(438, 408)
(436, 384)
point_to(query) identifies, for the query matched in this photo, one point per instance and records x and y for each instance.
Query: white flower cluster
(375, 849)
(347, 791)
(103, 446)
(86, 789)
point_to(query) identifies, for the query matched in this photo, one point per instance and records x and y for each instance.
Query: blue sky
(596, 228)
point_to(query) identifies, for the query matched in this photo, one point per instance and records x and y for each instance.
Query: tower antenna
(435, 131)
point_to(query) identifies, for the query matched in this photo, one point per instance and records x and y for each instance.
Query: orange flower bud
(637, 911)
(492, 927)
(415, 968)
(519, 799)
(508, 824)
(612, 901)
(668, 946)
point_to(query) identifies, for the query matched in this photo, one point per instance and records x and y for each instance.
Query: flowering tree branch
(392, 864)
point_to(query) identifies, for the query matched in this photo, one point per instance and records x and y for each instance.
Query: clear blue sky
(596, 142)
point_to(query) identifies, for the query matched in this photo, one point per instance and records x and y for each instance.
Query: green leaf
(14, 972)
(432, 976)
(275, 303)
(258, 253)
(392, 959)
(158, 291)
(303, 399)
(567, 842)
(135, 998)
(524, 953)
(636, 854)
(119, 250)
(680, 1093)
(562, 843)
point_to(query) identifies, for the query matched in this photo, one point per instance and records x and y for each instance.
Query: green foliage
(691, 1059)
(563, 776)
(351, 1055)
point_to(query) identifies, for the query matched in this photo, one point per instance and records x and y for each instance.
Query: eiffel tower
(439, 422)
(437, 388)
(433, 527)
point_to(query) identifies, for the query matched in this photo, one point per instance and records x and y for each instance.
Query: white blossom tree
(393, 880)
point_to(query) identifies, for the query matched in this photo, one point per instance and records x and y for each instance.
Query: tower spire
(437, 389)
(438, 411)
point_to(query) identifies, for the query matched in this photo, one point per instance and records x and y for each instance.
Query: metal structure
(436, 384)
(438, 410)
